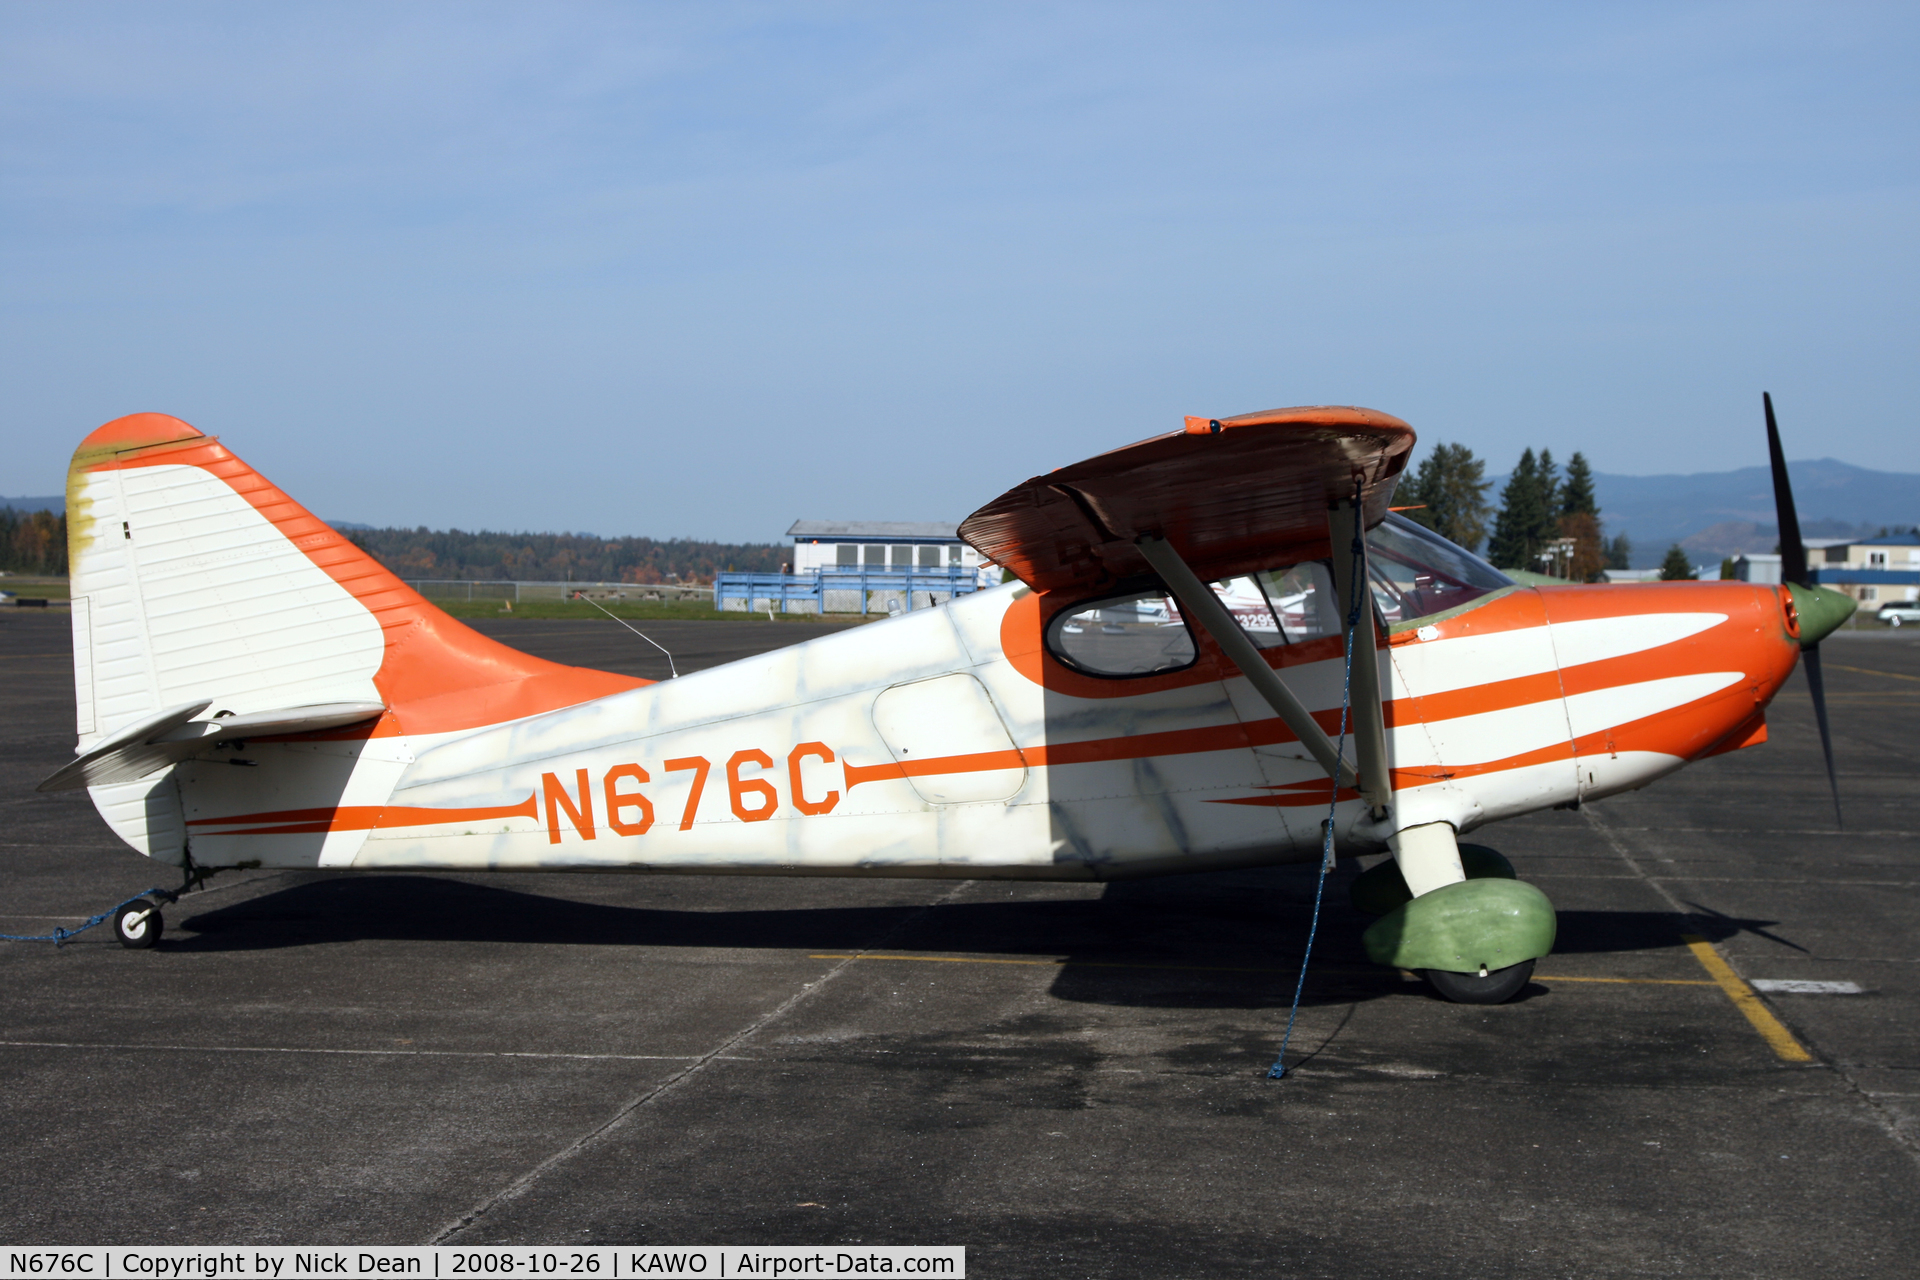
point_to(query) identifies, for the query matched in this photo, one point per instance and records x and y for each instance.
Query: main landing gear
(1473, 940)
(1495, 987)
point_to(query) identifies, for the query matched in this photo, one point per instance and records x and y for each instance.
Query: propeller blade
(1793, 552)
(1810, 658)
(1793, 569)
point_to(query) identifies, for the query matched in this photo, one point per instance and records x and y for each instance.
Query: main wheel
(138, 925)
(1471, 988)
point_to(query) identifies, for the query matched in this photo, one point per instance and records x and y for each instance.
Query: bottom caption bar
(602, 1262)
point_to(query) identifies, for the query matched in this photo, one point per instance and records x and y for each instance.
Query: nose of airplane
(1820, 611)
(1706, 658)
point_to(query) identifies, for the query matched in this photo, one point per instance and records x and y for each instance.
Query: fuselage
(952, 742)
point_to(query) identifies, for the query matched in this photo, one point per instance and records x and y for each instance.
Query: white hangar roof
(876, 530)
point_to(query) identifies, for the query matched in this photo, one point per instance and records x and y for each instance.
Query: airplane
(1158, 690)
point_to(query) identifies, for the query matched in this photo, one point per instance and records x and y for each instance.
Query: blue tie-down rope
(1279, 1068)
(59, 936)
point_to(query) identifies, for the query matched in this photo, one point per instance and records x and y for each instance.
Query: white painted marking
(1596, 639)
(1462, 662)
(1803, 987)
(1622, 704)
(372, 1053)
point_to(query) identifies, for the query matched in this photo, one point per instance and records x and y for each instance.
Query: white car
(1896, 612)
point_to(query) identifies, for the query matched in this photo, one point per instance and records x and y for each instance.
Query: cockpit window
(1141, 634)
(1417, 573)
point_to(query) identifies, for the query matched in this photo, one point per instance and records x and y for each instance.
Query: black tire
(138, 925)
(1497, 987)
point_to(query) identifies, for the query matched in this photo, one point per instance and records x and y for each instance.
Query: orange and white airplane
(1157, 693)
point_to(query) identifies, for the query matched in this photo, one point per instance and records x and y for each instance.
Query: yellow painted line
(1201, 968)
(1632, 982)
(1871, 671)
(1778, 1038)
(1090, 964)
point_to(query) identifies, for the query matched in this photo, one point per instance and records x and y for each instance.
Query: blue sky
(704, 269)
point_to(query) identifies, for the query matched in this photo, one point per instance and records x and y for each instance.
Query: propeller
(1818, 616)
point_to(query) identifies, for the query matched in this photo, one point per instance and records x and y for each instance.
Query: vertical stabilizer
(194, 578)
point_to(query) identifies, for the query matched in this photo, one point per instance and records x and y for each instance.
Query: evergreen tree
(1449, 495)
(1516, 529)
(1547, 528)
(1576, 495)
(1676, 567)
(1620, 553)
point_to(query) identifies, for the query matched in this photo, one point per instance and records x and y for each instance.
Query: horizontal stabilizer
(150, 745)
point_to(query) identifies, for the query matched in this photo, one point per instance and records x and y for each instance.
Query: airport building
(876, 544)
(1871, 570)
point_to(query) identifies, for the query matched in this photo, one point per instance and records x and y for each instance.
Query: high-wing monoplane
(1166, 688)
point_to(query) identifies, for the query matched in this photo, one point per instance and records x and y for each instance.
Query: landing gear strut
(1473, 940)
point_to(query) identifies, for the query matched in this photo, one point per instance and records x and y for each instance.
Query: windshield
(1417, 573)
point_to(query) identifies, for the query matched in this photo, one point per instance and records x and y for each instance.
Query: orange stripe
(366, 817)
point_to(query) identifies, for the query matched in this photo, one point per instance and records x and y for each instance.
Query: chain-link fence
(498, 589)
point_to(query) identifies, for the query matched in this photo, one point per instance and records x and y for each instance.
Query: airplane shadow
(1229, 940)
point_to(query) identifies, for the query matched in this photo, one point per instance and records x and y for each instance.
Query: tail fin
(195, 579)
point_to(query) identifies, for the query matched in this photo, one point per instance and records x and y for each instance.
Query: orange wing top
(1231, 494)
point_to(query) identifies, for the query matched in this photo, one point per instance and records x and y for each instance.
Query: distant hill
(57, 505)
(1721, 513)
(1714, 514)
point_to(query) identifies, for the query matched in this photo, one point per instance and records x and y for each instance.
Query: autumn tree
(1589, 556)
(33, 542)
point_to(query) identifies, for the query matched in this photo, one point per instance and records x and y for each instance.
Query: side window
(1141, 634)
(1247, 601)
(1416, 573)
(1303, 600)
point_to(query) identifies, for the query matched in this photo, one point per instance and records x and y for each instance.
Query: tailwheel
(138, 924)
(1484, 987)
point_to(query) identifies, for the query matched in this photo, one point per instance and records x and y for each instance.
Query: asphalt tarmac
(1069, 1080)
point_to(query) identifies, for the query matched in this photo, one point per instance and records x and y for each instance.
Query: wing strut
(1369, 721)
(1205, 607)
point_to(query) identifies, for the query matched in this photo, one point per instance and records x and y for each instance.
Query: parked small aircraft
(1158, 693)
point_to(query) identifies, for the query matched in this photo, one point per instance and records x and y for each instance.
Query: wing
(1233, 494)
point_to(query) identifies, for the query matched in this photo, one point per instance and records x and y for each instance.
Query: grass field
(635, 609)
(23, 585)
